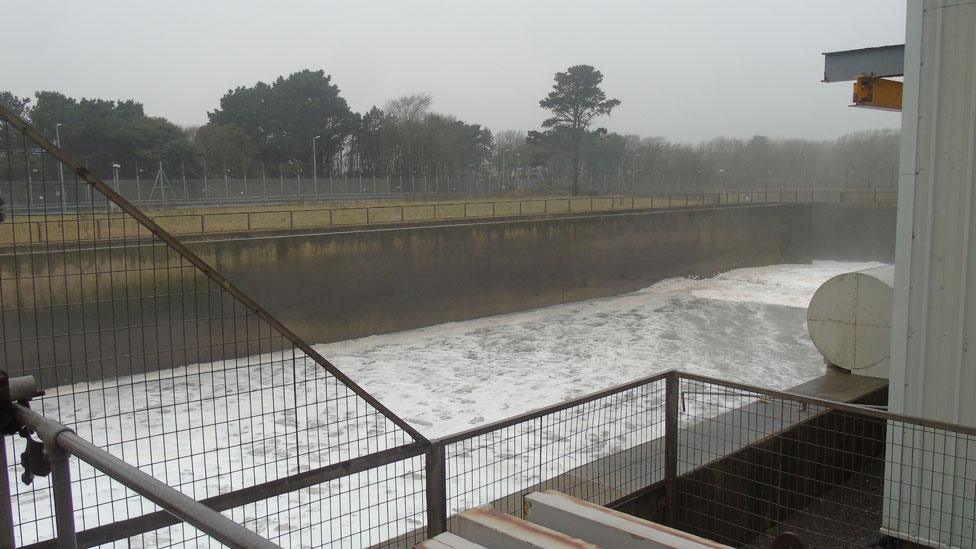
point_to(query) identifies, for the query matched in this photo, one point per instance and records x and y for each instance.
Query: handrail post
(436, 491)
(6, 513)
(671, 389)
(64, 509)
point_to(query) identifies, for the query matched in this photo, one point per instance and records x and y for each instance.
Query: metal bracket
(34, 461)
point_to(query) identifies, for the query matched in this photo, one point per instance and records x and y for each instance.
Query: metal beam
(842, 66)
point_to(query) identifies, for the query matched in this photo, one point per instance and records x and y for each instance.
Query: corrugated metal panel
(932, 370)
(940, 373)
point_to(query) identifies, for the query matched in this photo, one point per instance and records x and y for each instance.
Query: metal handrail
(60, 442)
(834, 405)
(540, 412)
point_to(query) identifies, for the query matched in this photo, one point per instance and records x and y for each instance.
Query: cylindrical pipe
(849, 320)
(64, 509)
(22, 388)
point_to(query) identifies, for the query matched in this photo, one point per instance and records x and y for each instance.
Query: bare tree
(409, 108)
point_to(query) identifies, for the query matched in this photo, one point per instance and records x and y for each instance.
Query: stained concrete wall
(339, 286)
(851, 233)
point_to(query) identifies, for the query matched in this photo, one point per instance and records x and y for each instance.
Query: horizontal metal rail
(540, 412)
(149, 522)
(867, 411)
(178, 504)
(257, 219)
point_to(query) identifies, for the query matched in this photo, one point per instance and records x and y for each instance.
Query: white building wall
(933, 368)
(929, 497)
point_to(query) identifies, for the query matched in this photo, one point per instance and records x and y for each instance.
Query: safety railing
(737, 463)
(54, 227)
(754, 463)
(58, 443)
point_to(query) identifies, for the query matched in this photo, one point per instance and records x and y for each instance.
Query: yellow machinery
(877, 93)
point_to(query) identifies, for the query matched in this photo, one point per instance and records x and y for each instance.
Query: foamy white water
(745, 325)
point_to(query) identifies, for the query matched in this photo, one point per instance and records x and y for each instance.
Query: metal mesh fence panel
(753, 465)
(600, 450)
(380, 507)
(153, 356)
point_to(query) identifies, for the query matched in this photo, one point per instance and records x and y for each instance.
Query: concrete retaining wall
(334, 286)
(339, 286)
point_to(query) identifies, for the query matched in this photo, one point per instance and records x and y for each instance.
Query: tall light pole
(804, 169)
(518, 170)
(633, 174)
(57, 133)
(315, 166)
(115, 180)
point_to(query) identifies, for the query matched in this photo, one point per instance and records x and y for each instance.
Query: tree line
(300, 124)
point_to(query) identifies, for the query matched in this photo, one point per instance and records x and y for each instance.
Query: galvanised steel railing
(60, 443)
(739, 464)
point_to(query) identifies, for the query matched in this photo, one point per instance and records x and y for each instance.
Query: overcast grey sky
(685, 69)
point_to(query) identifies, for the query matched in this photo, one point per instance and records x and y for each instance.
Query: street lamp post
(315, 166)
(518, 170)
(633, 174)
(115, 180)
(804, 169)
(57, 133)
(115, 175)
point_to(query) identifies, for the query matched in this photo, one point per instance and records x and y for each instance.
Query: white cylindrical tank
(849, 319)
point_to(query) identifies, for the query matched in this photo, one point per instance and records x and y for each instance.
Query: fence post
(63, 504)
(6, 514)
(670, 445)
(436, 491)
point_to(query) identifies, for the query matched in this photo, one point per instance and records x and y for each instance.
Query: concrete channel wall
(339, 285)
(344, 285)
